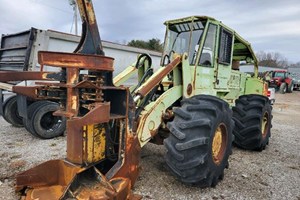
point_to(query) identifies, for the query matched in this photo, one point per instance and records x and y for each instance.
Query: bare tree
(271, 59)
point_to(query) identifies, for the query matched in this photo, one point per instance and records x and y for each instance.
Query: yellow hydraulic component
(94, 142)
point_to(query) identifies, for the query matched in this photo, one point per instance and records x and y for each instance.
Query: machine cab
(214, 54)
(186, 37)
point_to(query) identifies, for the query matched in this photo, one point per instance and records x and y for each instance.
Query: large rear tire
(200, 141)
(45, 125)
(11, 113)
(252, 115)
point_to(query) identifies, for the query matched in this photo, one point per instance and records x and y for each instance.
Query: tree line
(152, 44)
(274, 59)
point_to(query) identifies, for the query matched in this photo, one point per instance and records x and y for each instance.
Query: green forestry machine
(196, 104)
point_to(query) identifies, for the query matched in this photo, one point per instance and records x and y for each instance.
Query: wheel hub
(49, 122)
(219, 144)
(265, 124)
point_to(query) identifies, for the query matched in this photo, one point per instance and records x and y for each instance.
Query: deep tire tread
(174, 169)
(175, 131)
(202, 107)
(251, 130)
(183, 114)
(195, 123)
(189, 151)
(192, 143)
(238, 123)
(239, 111)
(251, 106)
(217, 101)
(178, 156)
(248, 118)
(193, 163)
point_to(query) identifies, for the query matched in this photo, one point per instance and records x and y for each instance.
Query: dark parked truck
(19, 52)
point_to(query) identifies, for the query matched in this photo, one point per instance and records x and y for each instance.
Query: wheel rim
(219, 144)
(50, 122)
(265, 124)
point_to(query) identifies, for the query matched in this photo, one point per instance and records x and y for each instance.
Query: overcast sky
(269, 25)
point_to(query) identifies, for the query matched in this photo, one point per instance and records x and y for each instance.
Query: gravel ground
(271, 174)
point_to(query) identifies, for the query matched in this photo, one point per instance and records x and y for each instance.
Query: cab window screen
(225, 47)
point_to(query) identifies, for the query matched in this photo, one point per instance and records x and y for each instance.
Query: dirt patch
(271, 174)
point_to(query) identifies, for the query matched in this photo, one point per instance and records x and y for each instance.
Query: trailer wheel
(4, 105)
(10, 112)
(30, 110)
(45, 125)
(290, 87)
(252, 116)
(200, 141)
(283, 88)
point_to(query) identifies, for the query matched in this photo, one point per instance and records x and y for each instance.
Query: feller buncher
(196, 104)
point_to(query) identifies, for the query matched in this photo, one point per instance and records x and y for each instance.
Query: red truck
(281, 81)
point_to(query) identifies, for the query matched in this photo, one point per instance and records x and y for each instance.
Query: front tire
(200, 141)
(283, 88)
(252, 115)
